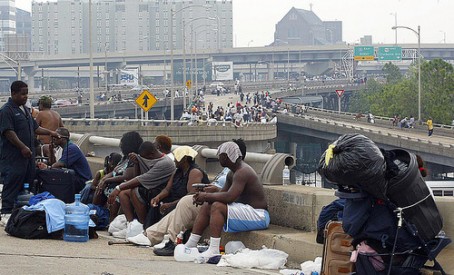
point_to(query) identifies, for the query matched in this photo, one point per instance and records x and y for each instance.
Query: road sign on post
(340, 92)
(364, 53)
(389, 53)
(339, 95)
(146, 100)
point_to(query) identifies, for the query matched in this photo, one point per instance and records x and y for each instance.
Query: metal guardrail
(380, 132)
(379, 118)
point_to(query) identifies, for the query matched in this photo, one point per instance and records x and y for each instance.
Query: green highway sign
(389, 53)
(363, 53)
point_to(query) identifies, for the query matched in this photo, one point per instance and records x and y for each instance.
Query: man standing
(47, 118)
(72, 158)
(17, 150)
(240, 205)
(430, 126)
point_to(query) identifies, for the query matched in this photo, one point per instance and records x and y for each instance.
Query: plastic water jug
(185, 254)
(76, 221)
(24, 196)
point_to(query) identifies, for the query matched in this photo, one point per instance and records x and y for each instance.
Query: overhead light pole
(395, 24)
(185, 24)
(90, 50)
(418, 33)
(19, 68)
(172, 92)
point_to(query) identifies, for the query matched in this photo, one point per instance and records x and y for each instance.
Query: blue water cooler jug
(24, 196)
(76, 221)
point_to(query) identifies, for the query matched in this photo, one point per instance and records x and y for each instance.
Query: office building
(130, 25)
(7, 22)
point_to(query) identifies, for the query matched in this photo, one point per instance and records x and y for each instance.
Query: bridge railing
(268, 166)
(181, 131)
(379, 119)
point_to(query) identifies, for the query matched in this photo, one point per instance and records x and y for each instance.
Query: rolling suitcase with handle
(59, 182)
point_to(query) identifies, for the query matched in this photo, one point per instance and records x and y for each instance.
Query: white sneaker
(4, 219)
(140, 239)
(163, 243)
(120, 234)
(134, 228)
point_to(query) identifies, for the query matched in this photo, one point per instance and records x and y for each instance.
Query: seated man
(184, 215)
(240, 206)
(72, 158)
(154, 169)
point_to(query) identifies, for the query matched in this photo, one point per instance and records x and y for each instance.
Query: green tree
(392, 72)
(437, 91)
(360, 101)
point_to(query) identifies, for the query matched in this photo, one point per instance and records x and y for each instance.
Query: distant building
(130, 26)
(7, 22)
(366, 40)
(20, 41)
(304, 27)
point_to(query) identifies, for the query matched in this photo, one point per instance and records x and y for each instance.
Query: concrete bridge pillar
(292, 148)
(30, 77)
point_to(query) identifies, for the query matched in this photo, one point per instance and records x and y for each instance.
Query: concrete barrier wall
(291, 206)
(299, 207)
(268, 166)
(256, 134)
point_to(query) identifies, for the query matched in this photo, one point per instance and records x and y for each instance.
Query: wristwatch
(118, 187)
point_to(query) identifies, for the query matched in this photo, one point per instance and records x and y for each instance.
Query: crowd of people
(249, 108)
(149, 183)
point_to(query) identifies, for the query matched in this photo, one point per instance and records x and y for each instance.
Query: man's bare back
(49, 119)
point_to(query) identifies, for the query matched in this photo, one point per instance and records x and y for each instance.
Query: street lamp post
(172, 93)
(19, 68)
(90, 50)
(106, 72)
(418, 33)
(395, 24)
(184, 49)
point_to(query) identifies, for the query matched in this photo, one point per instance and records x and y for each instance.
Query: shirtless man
(240, 206)
(47, 118)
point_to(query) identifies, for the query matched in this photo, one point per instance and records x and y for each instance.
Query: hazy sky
(254, 20)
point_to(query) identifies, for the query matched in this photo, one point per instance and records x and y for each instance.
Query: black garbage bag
(355, 160)
(409, 191)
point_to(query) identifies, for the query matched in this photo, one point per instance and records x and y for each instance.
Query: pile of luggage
(389, 211)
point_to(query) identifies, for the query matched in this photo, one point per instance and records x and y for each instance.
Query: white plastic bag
(233, 247)
(262, 259)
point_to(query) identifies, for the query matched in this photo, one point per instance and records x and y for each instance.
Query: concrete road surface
(19, 256)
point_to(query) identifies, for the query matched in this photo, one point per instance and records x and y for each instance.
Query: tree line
(399, 94)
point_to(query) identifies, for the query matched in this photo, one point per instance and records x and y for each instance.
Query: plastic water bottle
(76, 221)
(286, 176)
(24, 197)
(180, 237)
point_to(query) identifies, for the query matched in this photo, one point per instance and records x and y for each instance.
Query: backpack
(330, 212)
(28, 224)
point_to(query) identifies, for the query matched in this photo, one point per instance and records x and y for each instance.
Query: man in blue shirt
(72, 158)
(17, 146)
